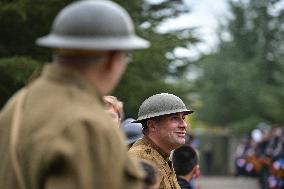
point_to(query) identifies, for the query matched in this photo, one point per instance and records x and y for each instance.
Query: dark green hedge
(14, 74)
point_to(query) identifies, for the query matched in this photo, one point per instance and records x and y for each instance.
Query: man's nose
(183, 123)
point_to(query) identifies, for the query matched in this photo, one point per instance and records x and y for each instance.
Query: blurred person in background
(133, 131)
(260, 156)
(115, 108)
(185, 161)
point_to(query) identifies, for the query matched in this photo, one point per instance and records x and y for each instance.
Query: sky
(204, 14)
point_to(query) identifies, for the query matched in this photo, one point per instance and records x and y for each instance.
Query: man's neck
(166, 149)
(89, 72)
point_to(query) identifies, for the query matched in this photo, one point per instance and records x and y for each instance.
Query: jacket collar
(57, 73)
(157, 148)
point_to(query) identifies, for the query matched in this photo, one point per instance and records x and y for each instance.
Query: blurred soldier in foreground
(152, 179)
(55, 133)
(164, 127)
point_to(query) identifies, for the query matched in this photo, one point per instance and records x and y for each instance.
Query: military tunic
(66, 138)
(146, 149)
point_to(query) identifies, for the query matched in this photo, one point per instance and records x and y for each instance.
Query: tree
(243, 79)
(22, 21)
(150, 71)
(21, 69)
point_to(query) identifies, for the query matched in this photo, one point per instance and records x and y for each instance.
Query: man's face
(171, 129)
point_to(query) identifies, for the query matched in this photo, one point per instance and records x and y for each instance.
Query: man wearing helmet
(55, 133)
(164, 127)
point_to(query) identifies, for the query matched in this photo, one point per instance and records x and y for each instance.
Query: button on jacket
(66, 138)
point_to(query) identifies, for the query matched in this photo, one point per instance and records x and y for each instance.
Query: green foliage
(22, 21)
(227, 90)
(271, 100)
(14, 73)
(150, 69)
(242, 82)
(242, 127)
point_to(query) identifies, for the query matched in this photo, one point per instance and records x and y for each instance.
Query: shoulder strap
(16, 118)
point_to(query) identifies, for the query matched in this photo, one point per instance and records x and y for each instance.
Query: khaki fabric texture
(145, 149)
(66, 139)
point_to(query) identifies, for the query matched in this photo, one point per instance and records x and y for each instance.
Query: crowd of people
(261, 155)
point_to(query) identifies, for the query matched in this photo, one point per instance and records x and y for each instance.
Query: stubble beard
(175, 140)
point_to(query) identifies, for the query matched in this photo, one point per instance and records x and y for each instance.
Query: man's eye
(175, 117)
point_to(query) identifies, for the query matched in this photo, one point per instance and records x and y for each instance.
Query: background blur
(233, 83)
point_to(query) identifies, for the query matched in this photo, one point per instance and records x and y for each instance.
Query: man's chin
(180, 142)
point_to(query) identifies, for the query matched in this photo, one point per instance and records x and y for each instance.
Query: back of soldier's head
(184, 160)
(93, 37)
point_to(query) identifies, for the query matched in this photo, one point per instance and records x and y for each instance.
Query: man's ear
(110, 62)
(196, 171)
(151, 125)
(114, 58)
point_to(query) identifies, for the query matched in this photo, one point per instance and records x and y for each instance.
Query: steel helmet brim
(107, 43)
(186, 112)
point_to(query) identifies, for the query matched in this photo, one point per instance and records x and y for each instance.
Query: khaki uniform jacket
(66, 138)
(146, 149)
